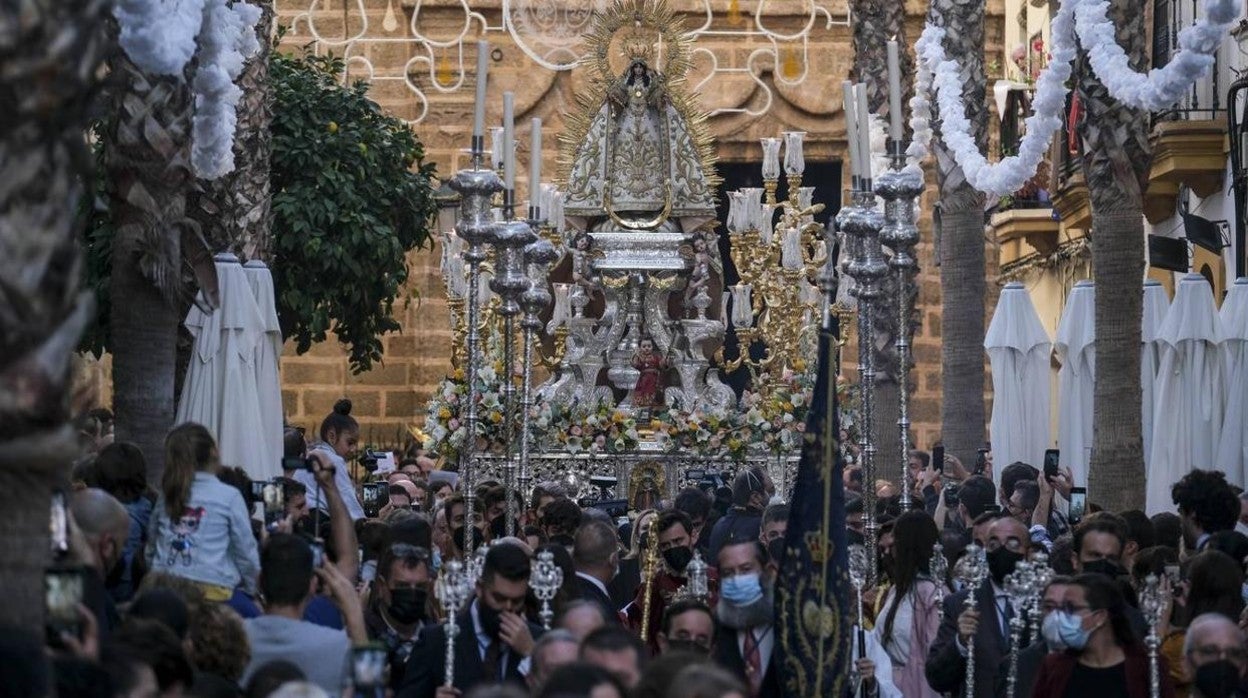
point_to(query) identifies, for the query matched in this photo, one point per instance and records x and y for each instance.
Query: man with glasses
(399, 605)
(1030, 659)
(987, 621)
(1214, 656)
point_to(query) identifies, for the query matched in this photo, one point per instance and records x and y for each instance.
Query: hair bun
(343, 407)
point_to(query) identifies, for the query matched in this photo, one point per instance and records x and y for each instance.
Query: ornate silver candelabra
(1041, 574)
(453, 590)
(1153, 604)
(510, 281)
(538, 256)
(695, 572)
(858, 574)
(476, 188)
(938, 567)
(862, 223)
(545, 582)
(974, 567)
(1019, 588)
(900, 187)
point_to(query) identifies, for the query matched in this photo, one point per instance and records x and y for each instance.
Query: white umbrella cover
(1018, 348)
(267, 361)
(1156, 303)
(1076, 351)
(1232, 455)
(1190, 395)
(220, 387)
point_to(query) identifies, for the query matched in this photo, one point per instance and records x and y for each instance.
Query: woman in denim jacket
(200, 527)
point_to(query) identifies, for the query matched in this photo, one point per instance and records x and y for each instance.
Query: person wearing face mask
(1097, 546)
(987, 620)
(908, 620)
(676, 550)
(746, 614)
(398, 608)
(495, 641)
(1215, 658)
(1213, 583)
(1103, 657)
(752, 491)
(596, 554)
(1049, 640)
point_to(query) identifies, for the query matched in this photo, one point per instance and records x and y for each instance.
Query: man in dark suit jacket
(494, 641)
(747, 619)
(596, 554)
(1008, 541)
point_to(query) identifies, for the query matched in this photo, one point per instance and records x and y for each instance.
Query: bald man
(1212, 637)
(105, 525)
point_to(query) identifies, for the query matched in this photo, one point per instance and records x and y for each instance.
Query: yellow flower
(332, 127)
(444, 413)
(656, 424)
(496, 417)
(458, 374)
(799, 364)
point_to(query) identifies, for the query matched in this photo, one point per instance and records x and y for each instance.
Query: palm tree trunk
(50, 50)
(875, 22)
(961, 241)
(147, 154)
(1116, 160)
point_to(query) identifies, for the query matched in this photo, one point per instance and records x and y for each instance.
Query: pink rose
(575, 431)
(801, 427)
(600, 440)
(453, 424)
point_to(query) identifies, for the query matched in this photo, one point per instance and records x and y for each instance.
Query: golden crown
(636, 45)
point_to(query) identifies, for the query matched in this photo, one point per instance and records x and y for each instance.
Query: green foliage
(351, 197)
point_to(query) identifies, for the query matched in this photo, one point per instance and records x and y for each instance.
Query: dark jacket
(1056, 671)
(589, 591)
(727, 654)
(737, 524)
(1029, 661)
(426, 666)
(946, 667)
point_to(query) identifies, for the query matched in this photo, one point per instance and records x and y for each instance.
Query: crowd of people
(207, 584)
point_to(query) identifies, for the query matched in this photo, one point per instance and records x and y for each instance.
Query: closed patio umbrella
(267, 362)
(1076, 351)
(1018, 348)
(1190, 395)
(1233, 446)
(1156, 303)
(220, 387)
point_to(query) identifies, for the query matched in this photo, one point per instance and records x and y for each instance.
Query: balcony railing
(1203, 101)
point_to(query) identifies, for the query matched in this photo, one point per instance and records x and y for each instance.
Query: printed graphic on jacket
(184, 530)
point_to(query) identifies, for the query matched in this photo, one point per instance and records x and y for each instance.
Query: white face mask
(1241, 527)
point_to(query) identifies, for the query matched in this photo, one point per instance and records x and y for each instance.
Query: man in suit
(987, 621)
(596, 554)
(494, 641)
(747, 645)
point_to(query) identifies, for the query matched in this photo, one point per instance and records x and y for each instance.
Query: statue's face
(647, 346)
(699, 244)
(639, 69)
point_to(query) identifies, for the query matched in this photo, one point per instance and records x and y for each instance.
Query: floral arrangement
(702, 433)
(591, 429)
(939, 76)
(446, 426)
(161, 37)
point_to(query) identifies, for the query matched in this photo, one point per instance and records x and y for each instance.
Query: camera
(376, 496)
(951, 496)
(707, 480)
(370, 458)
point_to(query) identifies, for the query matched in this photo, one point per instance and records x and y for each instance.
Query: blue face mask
(741, 589)
(1052, 633)
(1070, 630)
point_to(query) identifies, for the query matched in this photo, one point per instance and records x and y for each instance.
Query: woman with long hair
(908, 620)
(340, 436)
(200, 526)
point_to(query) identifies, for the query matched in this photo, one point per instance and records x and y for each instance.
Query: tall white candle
(851, 128)
(894, 91)
(509, 140)
(478, 111)
(864, 130)
(535, 165)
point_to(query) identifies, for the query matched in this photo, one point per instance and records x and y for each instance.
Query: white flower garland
(227, 39)
(1163, 87)
(159, 35)
(1011, 173)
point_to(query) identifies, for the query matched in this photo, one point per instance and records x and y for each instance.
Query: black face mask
(886, 564)
(457, 537)
(407, 605)
(1109, 568)
(678, 558)
(1001, 563)
(1218, 679)
(491, 620)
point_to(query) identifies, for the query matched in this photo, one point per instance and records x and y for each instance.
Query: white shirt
(765, 635)
(883, 665)
(342, 480)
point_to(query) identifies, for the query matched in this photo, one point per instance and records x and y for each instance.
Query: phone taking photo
(1052, 462)
(368, 668)
(938, 458)
(1078, 503)
(63, 590)
(981, 462)
(376, 495)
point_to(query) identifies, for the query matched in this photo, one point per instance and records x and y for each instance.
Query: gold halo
(625, 25)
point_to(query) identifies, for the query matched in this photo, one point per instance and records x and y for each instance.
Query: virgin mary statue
(640, 165)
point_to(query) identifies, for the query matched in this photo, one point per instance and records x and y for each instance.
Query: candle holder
(938, 567)
(900, 187)
(861, 223)
(974, 568)
(453, 591)
(545, 582)
(695, 572)
(858, 574)
(538, 256)
(1041, 574)
(476, 187)
(1152, 605)
(1019, 588)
